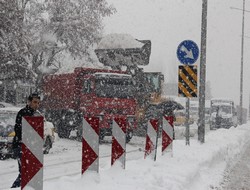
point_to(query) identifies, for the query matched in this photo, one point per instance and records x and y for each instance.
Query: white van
(7, 122)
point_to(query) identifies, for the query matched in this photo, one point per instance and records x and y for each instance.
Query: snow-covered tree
(12, 45)
(44, 29)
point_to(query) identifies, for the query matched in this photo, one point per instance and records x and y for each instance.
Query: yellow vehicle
(180, 118)
(123, 52)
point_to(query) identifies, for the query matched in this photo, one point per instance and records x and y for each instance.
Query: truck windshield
(114, 87)
(154, 80)
(222, 108)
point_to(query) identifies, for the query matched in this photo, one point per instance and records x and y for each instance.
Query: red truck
(88, 92)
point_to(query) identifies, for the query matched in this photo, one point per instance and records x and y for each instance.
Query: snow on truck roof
(116, 41)
(117, 75)
(118, 50)
(222, 99)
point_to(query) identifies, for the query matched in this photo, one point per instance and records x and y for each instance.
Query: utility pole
(201, 122)
(241, 66)
(249, 108)
(242, 62)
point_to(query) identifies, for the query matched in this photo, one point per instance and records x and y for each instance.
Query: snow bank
(198, 166)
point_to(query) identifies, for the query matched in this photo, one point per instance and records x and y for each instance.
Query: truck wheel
(101, 137)
(63, 133)
(2, 156)
(47, 146)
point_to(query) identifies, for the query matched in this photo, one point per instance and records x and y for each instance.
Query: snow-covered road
(196, 167)
(64, 159)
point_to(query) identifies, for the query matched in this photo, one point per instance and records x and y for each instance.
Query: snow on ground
(196, 167)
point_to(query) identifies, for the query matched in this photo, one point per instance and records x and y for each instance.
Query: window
(154, 80)
(87, 86)
(114, 87)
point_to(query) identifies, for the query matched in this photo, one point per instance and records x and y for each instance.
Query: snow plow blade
(137, 52)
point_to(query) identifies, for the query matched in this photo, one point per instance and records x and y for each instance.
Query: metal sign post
(187, 53)
(187, 121)
(187, 85)
(90, 144)
(119, 128)
(167, 134)
(32, 152)
(151, 138)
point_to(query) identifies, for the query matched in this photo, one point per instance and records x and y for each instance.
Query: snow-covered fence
(119, 140)
(167, 134)
(90, 144)
(151, 138)
(32, 152)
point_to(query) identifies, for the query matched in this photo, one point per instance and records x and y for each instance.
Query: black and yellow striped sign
(187, 85)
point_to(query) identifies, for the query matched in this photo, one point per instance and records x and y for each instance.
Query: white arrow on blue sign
(188, 52)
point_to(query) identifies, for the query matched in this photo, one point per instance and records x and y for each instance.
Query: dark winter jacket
(26, 111)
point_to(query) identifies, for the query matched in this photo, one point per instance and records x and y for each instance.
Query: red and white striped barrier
(151, 138)
(32, 153)
(119, 141)
(167, 133)
(90, 144)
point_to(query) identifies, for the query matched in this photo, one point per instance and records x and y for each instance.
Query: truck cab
(112, 96)
(88, 92)
(222, 114)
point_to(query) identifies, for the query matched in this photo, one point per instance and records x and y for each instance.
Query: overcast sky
(168, 22)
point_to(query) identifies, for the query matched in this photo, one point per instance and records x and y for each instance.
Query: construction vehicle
(120, 51)
(222, 113)
(106, 93)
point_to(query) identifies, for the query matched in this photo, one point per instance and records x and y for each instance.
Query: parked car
(7, 122)
(4, 104)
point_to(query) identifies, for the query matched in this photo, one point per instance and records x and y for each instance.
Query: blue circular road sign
(188, 52)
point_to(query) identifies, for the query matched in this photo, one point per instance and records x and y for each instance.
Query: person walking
(29, 110)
